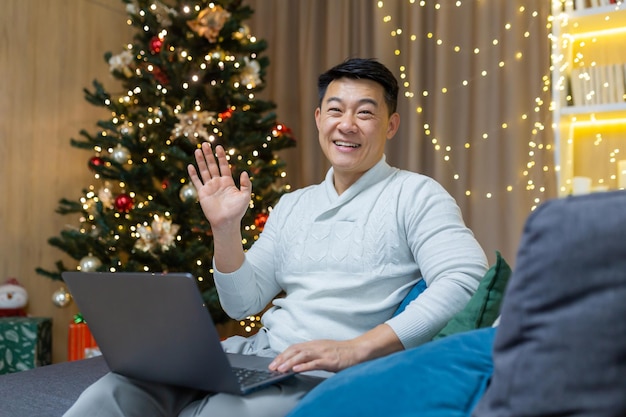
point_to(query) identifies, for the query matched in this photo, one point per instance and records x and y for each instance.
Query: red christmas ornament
(124, 203)
(280, 129)
(165, 184)
(160, 76)
(260, 220)
(95, 161)
(225, 114)
(156, 44)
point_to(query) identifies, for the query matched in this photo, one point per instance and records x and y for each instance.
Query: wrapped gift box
(81, 343)
(25, 342)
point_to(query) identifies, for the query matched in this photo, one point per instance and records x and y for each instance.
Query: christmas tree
(191, 74)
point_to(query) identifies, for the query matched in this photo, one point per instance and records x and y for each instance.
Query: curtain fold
(474, 102)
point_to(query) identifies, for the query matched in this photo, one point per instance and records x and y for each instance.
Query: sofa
(559, 348)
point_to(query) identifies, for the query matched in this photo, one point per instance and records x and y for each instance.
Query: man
(344, 252)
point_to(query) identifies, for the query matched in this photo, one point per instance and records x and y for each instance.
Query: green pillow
(483, 308)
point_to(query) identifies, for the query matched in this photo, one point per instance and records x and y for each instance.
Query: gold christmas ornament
(120, 154)
(61, 297)
(188, 193)
(89, 263)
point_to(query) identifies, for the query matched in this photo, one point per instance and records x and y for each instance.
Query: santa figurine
(13, 299)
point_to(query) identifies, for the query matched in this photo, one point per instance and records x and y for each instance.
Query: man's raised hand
(222, 202)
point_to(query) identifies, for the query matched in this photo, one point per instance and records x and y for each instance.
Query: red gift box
(80, 340)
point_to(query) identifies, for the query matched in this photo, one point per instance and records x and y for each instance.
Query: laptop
(156, 327)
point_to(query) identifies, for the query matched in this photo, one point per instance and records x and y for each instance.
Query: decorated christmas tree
(191, 75)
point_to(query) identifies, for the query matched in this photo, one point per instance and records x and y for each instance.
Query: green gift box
(25, 342)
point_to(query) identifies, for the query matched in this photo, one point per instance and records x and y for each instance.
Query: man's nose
(348, 123)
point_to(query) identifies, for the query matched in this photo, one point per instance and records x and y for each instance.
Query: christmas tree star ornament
(121, 63)
(192, 125)
(160, 235)
(209, 22)
(250, 74)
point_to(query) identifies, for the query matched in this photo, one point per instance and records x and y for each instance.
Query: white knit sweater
(345, 262)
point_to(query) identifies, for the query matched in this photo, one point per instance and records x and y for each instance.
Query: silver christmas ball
(89, 263)
(188, 193)
(61, 297)
(120, 154)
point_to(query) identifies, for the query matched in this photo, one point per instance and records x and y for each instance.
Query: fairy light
(495, 46)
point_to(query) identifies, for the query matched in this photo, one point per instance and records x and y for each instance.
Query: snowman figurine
(13, 299)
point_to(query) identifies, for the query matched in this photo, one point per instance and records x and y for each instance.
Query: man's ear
(393, 125)
(318, 112)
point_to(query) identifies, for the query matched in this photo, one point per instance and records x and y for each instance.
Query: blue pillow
(417, 289)
(444, 378)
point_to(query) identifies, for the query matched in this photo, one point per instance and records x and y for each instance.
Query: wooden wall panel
(49, 51)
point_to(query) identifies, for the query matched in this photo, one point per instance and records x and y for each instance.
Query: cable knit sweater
(345, 262)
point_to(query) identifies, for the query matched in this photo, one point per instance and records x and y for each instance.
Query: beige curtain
(474, 102)
(50, 50)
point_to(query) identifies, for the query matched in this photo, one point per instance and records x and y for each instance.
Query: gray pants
(116, 395)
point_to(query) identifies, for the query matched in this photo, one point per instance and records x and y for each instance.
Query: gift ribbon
(78, 319)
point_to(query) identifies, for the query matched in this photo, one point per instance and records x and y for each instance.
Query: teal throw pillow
(483, 308)
(443, 378)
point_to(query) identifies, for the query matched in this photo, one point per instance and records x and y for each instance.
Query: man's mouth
(346, 144)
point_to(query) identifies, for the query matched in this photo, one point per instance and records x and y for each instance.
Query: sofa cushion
(443, 378)
(560, 349)
(483, 308)
(417, 289)
(48, 390)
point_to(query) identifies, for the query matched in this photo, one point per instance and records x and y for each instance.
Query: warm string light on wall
(532, 173)
(591, 86)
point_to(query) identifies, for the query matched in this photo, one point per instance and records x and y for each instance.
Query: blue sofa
(559, 350)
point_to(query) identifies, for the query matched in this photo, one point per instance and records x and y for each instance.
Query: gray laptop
(155, 327)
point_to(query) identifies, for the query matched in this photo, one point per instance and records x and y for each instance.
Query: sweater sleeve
(249, 289)
(450, 259)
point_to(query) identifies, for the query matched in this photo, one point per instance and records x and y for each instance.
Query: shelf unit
(589, 97)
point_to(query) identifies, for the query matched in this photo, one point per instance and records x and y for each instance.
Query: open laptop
(155, 327)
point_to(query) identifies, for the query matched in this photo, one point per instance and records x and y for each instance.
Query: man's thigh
(114, 395)
(274, 401)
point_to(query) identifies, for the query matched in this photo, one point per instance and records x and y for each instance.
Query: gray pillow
(560, 349)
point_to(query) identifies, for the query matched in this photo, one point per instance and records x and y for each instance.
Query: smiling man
(354, 121)
(343, 253)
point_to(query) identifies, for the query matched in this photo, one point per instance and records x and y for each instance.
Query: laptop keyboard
(253, 376)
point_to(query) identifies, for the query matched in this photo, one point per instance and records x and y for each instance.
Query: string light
(494, 47)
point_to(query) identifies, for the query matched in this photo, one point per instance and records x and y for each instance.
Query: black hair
(362, 68)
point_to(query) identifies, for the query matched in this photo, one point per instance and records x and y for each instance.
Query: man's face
(354, 125)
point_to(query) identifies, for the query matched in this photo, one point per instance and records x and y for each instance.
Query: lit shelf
(596, 12)
(589, 69)
(607, 110)
(594, 19)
